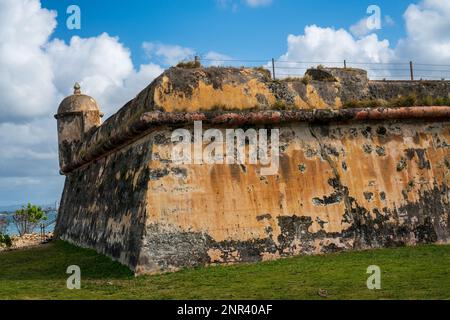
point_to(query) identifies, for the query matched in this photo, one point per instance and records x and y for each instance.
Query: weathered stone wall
(393, 89)
(340, 186)
(348, 179)
(103, 205)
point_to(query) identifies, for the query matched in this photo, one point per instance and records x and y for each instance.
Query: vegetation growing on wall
(189, 64)
(407, 101)
(264, 71)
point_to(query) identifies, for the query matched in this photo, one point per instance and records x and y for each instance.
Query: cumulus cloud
(117, 96)
(103, 67)
(26, 82)
(101, 60)
(329, 46)
(427, 41)
(428, 36)
(360, 28)
(363, 27)
(38, 73)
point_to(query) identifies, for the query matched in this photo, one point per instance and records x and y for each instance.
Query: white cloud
(170, 54)
(428, 36)
(38, 73)
(360, 28)
(328, 44)
(117, 96)
(26, 82)
(213, 58)
(331, 47)
(101, 60)
(103, 67)
(427, 41)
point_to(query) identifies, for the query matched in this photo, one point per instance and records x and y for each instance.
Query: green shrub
(306, 79)
(442, 101)
(5, 240)
(362, 104)
(281, 105)
(407, 101)
(291, 79)
(266, 73)
(427, 101)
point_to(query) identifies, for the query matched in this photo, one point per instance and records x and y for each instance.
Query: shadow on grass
(50, 262)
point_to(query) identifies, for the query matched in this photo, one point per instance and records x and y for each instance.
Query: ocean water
(12, 229)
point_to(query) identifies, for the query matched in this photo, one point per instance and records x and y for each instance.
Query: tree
(27, 218)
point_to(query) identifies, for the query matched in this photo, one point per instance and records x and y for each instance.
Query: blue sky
(205, 25)
(123, 46)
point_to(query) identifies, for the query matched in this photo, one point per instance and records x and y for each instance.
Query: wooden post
(411, 70)
(345, 64)
(42, 233)
(273, 69)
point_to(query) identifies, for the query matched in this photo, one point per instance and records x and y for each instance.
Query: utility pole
(345, 64)
(411, 70)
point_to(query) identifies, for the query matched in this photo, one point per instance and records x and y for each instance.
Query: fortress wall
(103, 205)
(339, 187)
(348, 178)
(388, 90)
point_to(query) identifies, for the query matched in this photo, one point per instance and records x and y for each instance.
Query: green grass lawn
(407, 273)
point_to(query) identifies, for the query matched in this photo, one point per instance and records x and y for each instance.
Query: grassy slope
(421, 272)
